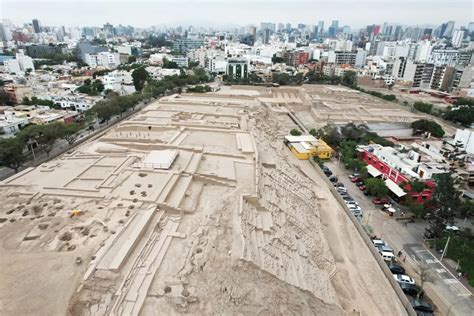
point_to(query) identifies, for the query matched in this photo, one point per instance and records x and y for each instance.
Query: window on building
(381, 167)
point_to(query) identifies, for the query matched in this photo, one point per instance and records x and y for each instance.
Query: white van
(378, 242)
(387, 256)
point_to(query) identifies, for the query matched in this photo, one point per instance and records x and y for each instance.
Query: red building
(298, 58)
(389, 165)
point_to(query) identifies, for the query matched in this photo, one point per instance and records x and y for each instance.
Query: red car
(355, 179)
(380, 201)
(362, 187)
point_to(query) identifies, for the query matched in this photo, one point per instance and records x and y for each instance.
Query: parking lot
(441, 285)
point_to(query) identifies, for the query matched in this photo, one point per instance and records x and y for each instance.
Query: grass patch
(461, 249)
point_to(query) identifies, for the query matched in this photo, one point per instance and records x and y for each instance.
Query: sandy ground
(223, 230)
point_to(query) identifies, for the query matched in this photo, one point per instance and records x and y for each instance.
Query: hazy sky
(143, 13)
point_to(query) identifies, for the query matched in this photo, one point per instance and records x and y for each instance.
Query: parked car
(326, 171)
(354, 208)
(385, 248)
(341, 190)
(378, 242)
(421, 306)
(380, 201)
(352, 202)
(339, 185)
(387, 256)
(409, 289)
(333, 179)
(366, 192)
(354, 176)
(348, 198)
(355, 179)
(452, 228)
(362, 187)
(403, 278)
(396, 269)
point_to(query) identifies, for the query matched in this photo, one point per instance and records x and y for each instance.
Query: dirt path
(359, 282)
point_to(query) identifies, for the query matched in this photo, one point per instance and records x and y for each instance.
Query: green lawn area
(461, 249)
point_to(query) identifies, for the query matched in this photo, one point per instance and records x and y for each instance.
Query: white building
(117, 76)
(79, 103)
(20, 64)
(180, 61)
(361, 57)
(10, 125)
(422, 51)
(465, 137)
(457, 38)
(444, 57)
(158, 73)
(217, 65)
(104, 59)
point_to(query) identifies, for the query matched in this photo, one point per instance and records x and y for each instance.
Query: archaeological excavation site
(195, 206)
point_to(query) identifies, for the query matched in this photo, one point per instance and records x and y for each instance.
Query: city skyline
(219, 13)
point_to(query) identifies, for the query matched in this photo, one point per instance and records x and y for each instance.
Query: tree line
(43, 137)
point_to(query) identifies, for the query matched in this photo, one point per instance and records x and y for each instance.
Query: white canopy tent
(373, 171)
(392, 186)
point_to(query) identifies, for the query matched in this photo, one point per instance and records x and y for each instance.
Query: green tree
(11, 153)
(295, 132)
(105, 110)
(417, 209)
(465, 101)
(446, 200)
(313, 132)
(70, 133)
(331, 135)
(423, 107)
(281, 79)
(98, 86)
(417, 186)
(277, 60)
(169, 64)
(140, 76)
(463, 115)
(376, 187)
(349, 78)
(45, 136)
(427, 126)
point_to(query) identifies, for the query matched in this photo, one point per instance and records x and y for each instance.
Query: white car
(402, 278)
(378, 242)
(355, 209)
(452, 228)
(352, 203)
(341, 189)
(384, 248)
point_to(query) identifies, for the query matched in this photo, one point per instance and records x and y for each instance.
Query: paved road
(443, 287)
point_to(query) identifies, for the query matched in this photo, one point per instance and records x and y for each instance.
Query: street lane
(453, 296)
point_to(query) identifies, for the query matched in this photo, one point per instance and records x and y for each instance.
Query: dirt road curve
(359, 282)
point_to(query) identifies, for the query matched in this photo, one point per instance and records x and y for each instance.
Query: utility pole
(445, 248)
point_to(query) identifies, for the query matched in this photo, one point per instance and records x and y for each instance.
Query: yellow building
(323, 150)
(306, 146)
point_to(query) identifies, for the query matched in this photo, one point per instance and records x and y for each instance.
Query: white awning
(392, 186)
(373, 171)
